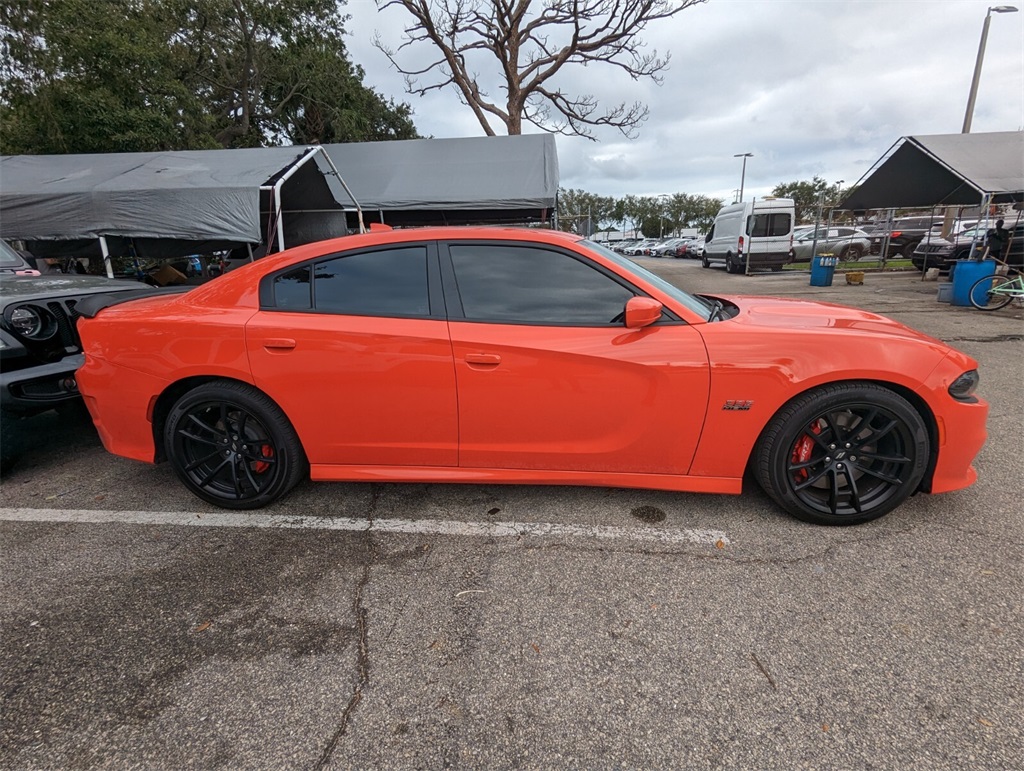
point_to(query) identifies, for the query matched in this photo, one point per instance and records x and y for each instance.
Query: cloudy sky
(808, 86)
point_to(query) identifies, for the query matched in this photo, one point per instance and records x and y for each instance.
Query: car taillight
(741, 245)
(896, 233)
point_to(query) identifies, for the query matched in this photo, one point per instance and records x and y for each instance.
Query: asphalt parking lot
(424, 626)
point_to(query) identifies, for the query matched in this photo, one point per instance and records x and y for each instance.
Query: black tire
(704, 262)
(908, 251)
(232, 446)
(851, 254)
(984, 296)
(843, 454)
(775, 268)
(731, 267)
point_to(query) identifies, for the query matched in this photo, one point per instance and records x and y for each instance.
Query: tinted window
(529, 285)
(292, 291)
(390, 282)
(762, 225)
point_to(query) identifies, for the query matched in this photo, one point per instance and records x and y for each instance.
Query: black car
(936, 252)
(904, 235)
(39, 346)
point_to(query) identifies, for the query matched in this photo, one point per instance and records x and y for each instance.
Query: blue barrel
(822, 270)
(965, 274)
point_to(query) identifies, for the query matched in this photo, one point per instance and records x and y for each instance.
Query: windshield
(10, 258)
(695, 304)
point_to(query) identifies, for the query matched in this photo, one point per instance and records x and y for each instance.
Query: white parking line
(419, 527)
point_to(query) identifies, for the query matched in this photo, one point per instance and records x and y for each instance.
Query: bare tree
(531, 41)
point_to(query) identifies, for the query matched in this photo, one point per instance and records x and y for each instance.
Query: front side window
(763, 225)
(525, 284)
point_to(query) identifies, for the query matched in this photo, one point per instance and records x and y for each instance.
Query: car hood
(807, 315)
(22, 288)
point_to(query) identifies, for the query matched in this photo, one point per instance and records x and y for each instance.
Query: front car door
(549, 377)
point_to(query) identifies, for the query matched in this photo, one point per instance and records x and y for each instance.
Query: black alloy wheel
(232, 446)
(843, 454)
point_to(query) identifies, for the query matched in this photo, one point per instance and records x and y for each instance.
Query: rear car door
(550, 378)
(354, 348)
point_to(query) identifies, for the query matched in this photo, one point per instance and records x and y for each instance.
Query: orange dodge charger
(494, 355)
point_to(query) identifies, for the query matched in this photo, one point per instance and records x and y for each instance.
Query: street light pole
(743, 174)
(969, 115)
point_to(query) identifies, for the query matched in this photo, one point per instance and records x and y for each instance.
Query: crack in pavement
(363, 646)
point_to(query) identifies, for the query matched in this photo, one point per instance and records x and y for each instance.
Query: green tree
(130, 75)
(807, 195)
(576, 207)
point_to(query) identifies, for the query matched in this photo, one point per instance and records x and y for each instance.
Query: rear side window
(389, 282)
(776, 224)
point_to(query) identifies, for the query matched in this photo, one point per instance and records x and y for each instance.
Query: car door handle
(488, 359)
(279, 343)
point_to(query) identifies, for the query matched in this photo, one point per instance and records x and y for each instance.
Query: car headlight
(32, 322)
(963, 387)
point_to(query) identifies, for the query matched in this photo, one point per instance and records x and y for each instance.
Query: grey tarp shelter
(468, 180)
(164, 204)
(176, 203)
(941, 170)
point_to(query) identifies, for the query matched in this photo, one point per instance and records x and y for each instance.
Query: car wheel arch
(915, 400)
(169, 397)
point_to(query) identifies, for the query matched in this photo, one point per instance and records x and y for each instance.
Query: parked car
(39, 347)
(848, 244)
(641, 248)
(692, 248)
(666, 248)
(486, 355)
(12, 263)
(936, 252)
(904, 235)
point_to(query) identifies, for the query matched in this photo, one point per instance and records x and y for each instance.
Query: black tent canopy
(944, 170)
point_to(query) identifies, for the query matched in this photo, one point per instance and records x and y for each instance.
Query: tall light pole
(969, 115)
(743, 175)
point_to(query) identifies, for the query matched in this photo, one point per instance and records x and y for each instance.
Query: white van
(754, 234)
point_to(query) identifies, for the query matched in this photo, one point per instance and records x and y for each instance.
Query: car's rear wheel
(843, 454)
(908, 250)
(730, 266)
(851, 254)
(232, 446)
(704, 261)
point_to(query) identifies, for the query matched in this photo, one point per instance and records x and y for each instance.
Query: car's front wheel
(232, 446)
(843, 454)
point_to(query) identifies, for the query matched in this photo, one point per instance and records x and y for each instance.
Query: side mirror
(642, 312)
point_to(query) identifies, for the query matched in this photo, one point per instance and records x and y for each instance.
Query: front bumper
(37, 389)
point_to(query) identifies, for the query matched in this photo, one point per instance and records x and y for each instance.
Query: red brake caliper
(802, 450)
(267, 452)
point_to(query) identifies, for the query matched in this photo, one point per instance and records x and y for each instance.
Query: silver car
(848, 244)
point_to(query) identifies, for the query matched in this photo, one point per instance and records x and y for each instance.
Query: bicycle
(990, 293)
